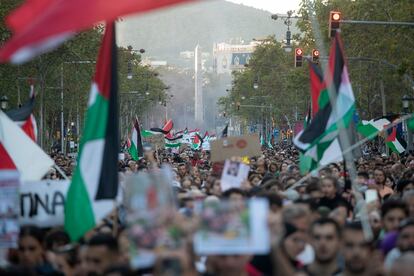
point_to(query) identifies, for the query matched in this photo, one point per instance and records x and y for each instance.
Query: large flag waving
(136, 149)
(21, 152)
(319, 99)
(41, 25)
(23, 117)
(323, 130)
(96, 175)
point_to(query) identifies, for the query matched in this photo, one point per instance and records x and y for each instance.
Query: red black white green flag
(96, 175)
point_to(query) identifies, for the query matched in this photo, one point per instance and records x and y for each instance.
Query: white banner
(42, 202)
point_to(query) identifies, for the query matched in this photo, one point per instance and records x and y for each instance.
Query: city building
(229, 57)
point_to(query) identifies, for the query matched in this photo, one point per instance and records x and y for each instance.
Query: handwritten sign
(225, 148)
(42, 202)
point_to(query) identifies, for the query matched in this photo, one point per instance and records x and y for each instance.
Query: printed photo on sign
(234, 173)
(229, 227)
(151, 209)
(9, 209)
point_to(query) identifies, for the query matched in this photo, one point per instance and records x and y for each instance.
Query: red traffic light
(315, 55)
(334, 20)
(298, 57)
(335, 16)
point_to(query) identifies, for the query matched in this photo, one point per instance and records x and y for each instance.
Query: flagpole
(343, 135)
(62, 173)
(351, 148)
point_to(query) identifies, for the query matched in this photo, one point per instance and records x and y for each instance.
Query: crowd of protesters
(317, 226)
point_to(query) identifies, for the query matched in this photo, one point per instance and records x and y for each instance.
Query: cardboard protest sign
(225, 148)
(42, 202)
(157, 140)
(234, 173)
(231, 228)
(9, 208)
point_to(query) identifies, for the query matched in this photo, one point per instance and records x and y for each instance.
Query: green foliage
(73, 65)
(381, 53)
(381, 56)
(282, 89)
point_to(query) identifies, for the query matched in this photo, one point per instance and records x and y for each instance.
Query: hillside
(165, 33)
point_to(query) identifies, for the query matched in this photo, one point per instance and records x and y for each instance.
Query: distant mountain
(165, 33)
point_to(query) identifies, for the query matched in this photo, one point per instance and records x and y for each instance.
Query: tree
(269, 89)
(383, 54)
(72, 65)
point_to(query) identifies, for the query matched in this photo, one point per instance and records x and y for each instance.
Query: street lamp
(405, 103)
(4, 102)
(255, 85)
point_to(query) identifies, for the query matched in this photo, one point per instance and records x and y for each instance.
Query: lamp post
(406, 104)
(256, 84)
(130, 50)
(4, 102)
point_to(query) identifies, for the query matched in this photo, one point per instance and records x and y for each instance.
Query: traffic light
(334, 19)
(129, 75)
(315, 56)
(298, 57)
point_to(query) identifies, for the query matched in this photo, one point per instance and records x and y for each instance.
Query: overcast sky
(274, 6)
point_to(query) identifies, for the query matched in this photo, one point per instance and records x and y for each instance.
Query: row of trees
(73, 65)
(382, 58)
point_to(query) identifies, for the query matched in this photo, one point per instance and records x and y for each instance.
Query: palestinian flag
(196, 145)
(172, 144)
(324, 128)
(307, 163)
(319, 99)
(168, 126)
(148, 133)
(319, 94)
(393, 136)
(225, 131)
(19, 151)
(136, 150)
(23, 117)
(172, 141)
(96, 175)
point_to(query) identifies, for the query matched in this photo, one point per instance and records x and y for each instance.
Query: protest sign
(232, 228)
(225, 148)
(234, 173)
(150, 213)
(157, 140)
(42, 202)
(9, 208)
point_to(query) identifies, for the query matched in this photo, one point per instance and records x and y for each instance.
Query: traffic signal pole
(393, 23)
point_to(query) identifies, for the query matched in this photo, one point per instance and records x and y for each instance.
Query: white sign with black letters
(42, 202)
